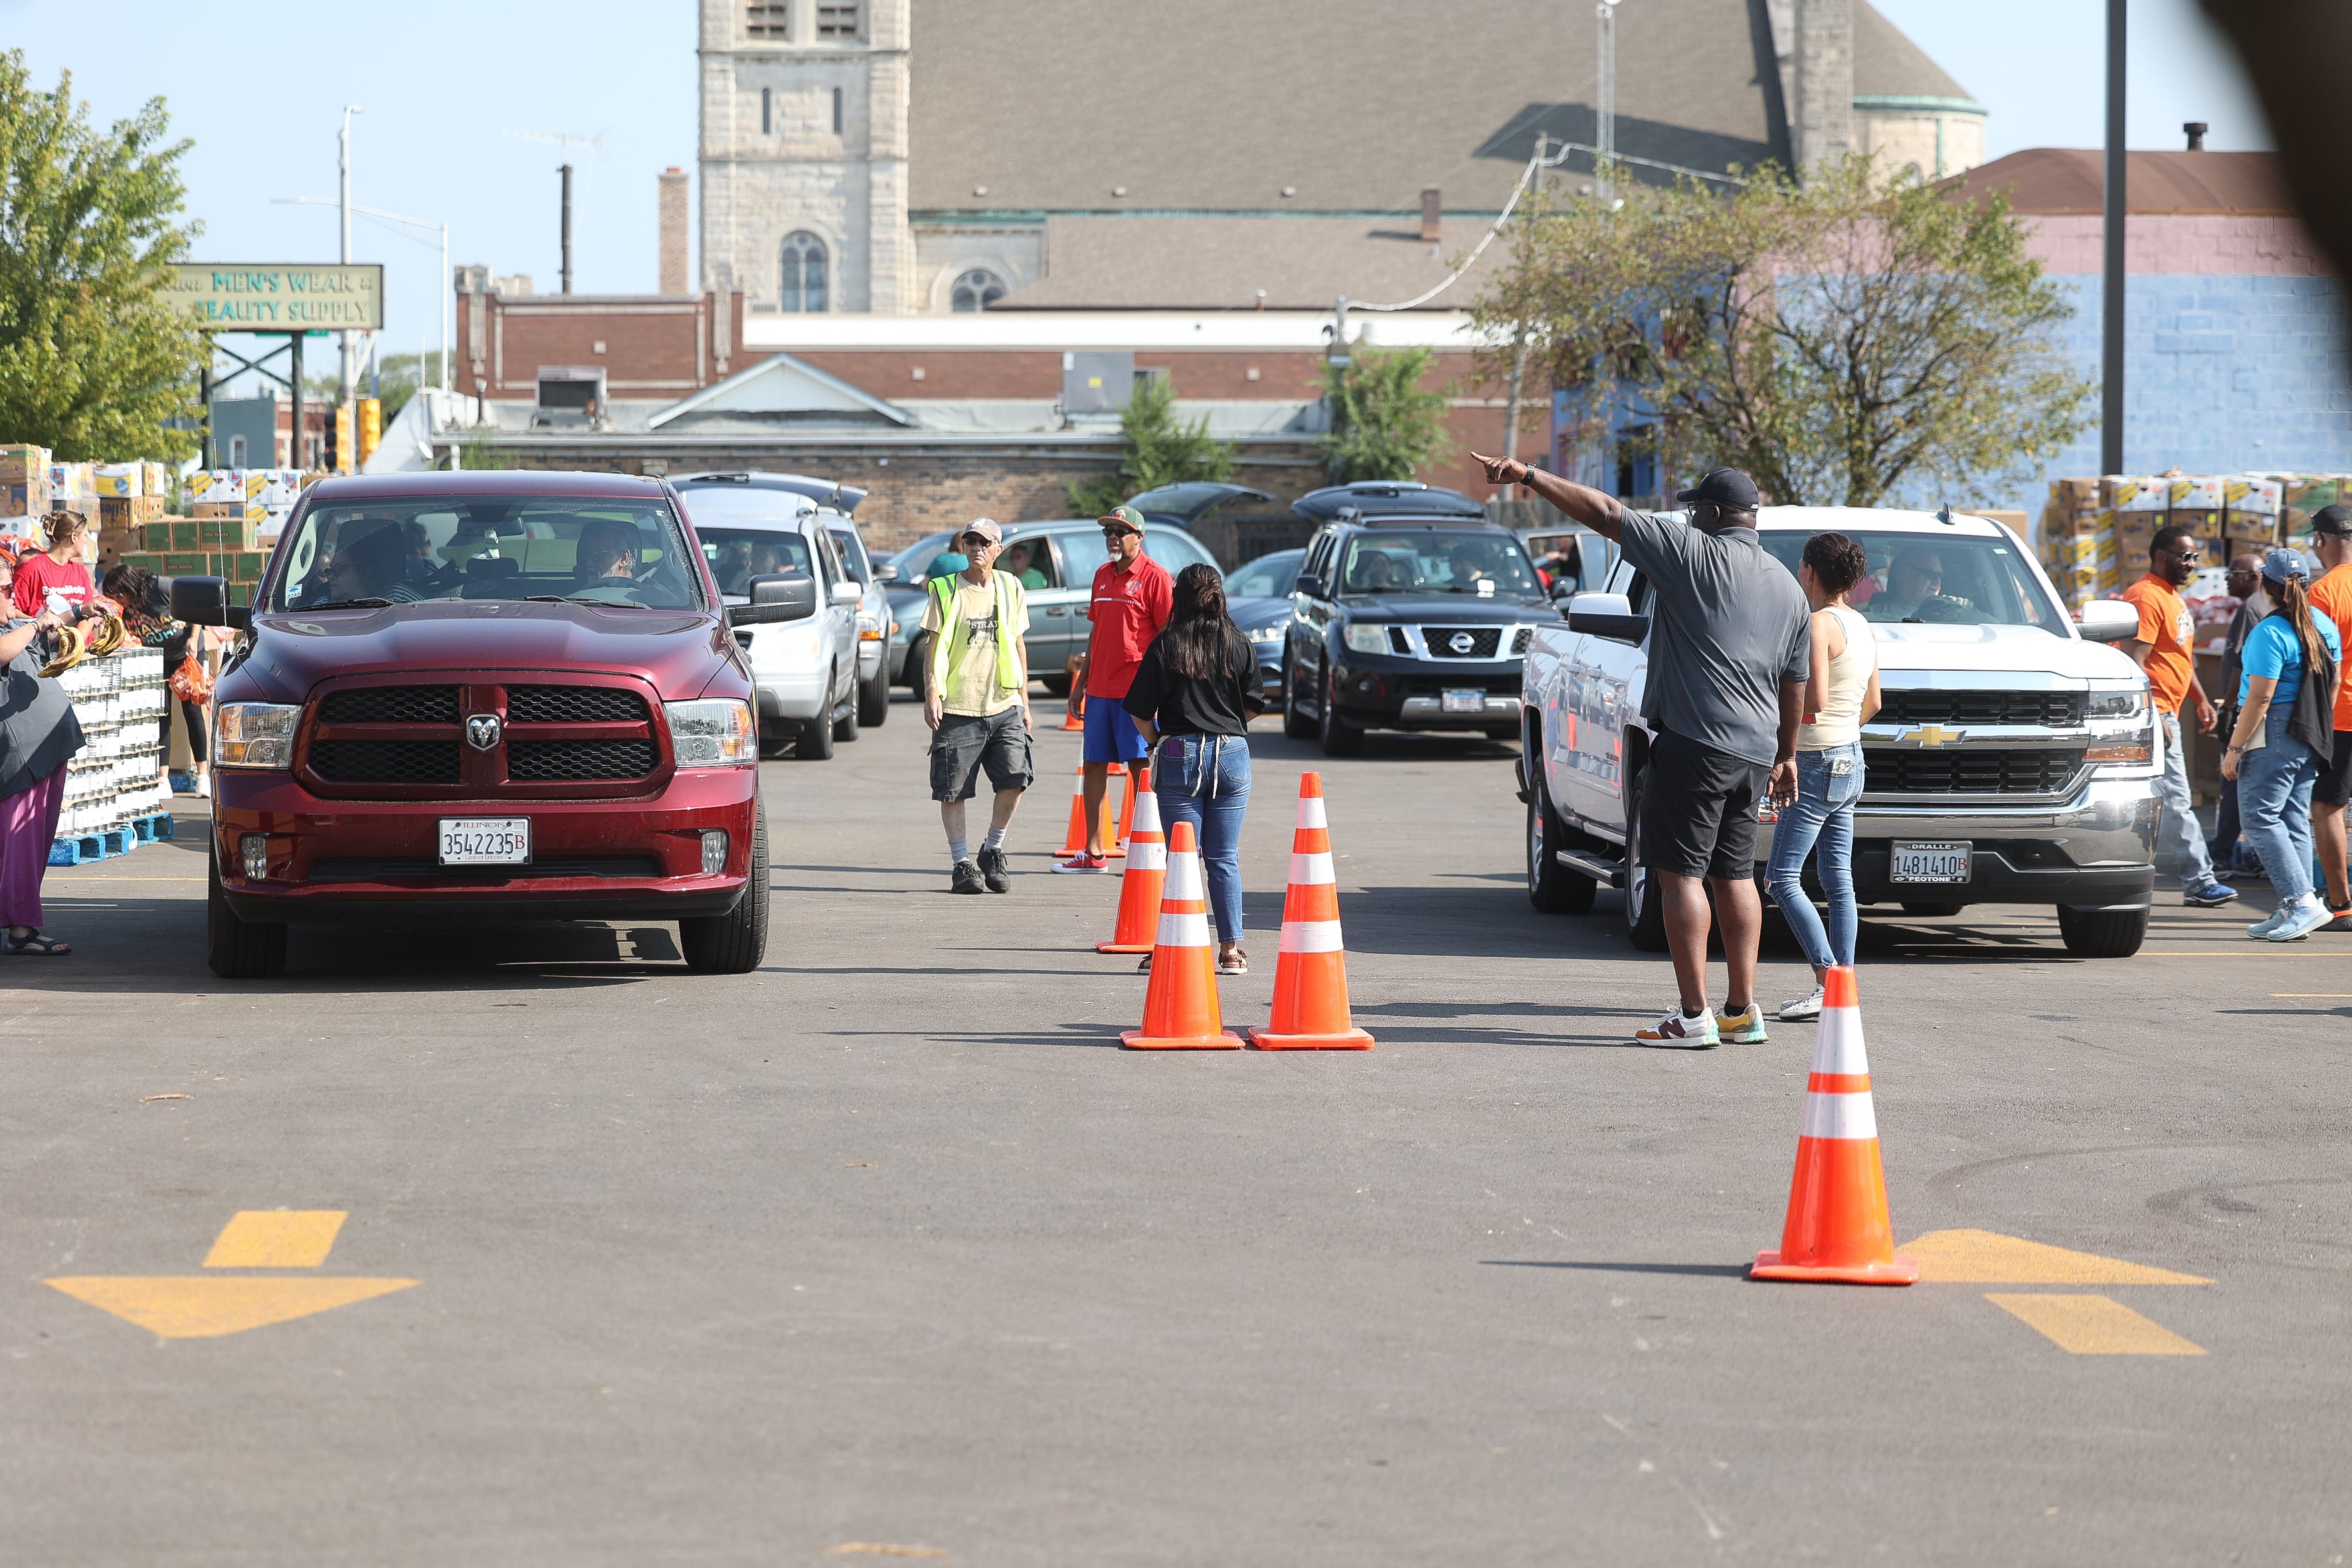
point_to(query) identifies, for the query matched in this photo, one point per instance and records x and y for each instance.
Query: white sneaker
(204, 786)
(1675, 1029)
(2306, 915)
(2269, 923)
(1804, 1007)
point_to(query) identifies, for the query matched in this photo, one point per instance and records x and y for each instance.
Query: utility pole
(1604, 119)
(565, 169)
(345, 160)
(2111, 321)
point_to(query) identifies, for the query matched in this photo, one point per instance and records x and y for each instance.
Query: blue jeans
(1204, 779)
(1822, 814)
(2274, 806)
(2178, 827)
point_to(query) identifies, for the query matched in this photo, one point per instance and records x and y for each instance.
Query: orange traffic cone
(1137, 777)
(1076, 843)
(1140, 889)
(1117, 811)
(1180, 1007)
(1073, 717)
(1838, 1228)
(1310, 976)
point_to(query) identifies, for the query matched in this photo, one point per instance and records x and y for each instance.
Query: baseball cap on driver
(1725, 487)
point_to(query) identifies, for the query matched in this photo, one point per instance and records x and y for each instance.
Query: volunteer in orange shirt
(2166, 649)
(2331, 596)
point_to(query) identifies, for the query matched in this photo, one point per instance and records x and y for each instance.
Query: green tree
(94, 363)
(1846, 340)
(1383, 426)
(1160, 450)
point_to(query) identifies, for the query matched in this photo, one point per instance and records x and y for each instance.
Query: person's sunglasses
(976, 541)
(1119, 533)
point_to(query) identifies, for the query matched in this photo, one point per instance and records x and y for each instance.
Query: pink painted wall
(2159, 243)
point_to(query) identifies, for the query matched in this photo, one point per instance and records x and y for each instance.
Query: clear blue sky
(261, 93)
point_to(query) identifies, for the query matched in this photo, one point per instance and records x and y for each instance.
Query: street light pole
(2111, 322)
(1604, 119)
(344, 160)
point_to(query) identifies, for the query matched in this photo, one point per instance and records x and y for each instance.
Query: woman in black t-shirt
(1192, 699)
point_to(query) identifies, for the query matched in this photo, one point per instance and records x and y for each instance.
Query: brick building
(2234, 331)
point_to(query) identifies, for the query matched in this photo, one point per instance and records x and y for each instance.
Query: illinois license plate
(1930, 862)
(1453, 701)
(485, 840)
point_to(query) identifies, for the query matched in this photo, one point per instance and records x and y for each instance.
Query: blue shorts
(1111, 735)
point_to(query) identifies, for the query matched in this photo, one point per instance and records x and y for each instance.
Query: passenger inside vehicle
(1374, 572)
(369, 567)
(1022, 564)
(486, 547)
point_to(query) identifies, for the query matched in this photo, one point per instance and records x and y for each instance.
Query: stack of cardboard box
(2096, 533)
(229, 532)
(2077, 540)
(24, 491)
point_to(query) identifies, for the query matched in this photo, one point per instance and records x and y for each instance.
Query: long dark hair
(2290, 600)
(135, 588)
(1203, 641)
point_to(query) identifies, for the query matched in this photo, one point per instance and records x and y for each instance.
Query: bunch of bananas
(72, 648)
(104, 636)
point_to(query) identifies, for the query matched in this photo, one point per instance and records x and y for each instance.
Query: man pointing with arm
(1730, 651)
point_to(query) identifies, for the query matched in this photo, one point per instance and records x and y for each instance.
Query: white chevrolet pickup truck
(2014, 761)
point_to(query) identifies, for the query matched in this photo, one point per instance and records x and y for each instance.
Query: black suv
(1412, 612)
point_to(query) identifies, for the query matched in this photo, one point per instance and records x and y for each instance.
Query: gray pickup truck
(2014, 760)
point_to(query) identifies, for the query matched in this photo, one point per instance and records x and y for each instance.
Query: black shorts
(966, 743)
(2334, 783)
(1698, 809)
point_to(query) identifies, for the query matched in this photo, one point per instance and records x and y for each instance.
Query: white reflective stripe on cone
(1306, 869)
(1310, 811)
(1310, 936)
(1839, 1116)
(1184, 876)
(1145, 855)
(1184, 930)
(1837, 1044)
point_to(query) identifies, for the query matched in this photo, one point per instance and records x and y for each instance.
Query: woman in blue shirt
(2274, 767)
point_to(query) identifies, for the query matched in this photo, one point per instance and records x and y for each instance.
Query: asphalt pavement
(886, 1250)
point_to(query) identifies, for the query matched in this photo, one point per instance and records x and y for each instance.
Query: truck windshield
(1437, 561)
(580, 548)
(1938, 579)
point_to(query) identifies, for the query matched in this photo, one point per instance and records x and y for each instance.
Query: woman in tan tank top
(1841, 695)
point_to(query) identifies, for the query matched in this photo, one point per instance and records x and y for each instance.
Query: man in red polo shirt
(1133, 596)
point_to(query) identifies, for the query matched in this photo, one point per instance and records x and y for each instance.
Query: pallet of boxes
(232, 519)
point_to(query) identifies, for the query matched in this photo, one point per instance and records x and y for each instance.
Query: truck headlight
(713, 732)
(1367, 639)
(2131, 702)
(254, 735)
(2139, 745)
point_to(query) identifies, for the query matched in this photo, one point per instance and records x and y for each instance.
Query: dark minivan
(488, 696)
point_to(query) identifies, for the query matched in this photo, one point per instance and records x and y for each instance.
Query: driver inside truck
(607, 550)
(1918, 576)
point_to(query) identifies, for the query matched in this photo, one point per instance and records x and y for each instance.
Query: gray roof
(1220, 262)
(1887, 64)
(1217, 105)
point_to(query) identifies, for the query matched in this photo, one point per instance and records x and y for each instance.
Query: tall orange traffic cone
(1076, 840)
(1116, 812)
(1139, 890)
(1180, 1007)
(1838, 1230)
(1137, 777)
(1310, 976)
(1073, 717)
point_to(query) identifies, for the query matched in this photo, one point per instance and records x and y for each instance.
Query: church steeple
(803, 156)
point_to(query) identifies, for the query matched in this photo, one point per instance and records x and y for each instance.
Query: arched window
(976, 290)
(803, 275)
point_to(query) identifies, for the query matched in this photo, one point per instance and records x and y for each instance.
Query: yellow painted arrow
(1988, 1258)
(203, 1306)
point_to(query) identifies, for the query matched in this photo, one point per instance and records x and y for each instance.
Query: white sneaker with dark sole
(1675, 1029)
(1803, 1008)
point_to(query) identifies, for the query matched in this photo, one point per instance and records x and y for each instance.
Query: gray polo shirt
(1727, 625)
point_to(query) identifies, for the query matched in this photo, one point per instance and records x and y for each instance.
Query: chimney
(1432, 214)
(2196, 129)
(673, 231)
(1823, 112)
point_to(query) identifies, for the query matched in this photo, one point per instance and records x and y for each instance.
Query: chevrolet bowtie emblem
(1931, 734)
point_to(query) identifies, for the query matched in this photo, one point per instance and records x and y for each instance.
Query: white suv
(806, 671)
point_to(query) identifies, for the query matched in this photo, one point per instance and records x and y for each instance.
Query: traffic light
(340, 458)
(370, 427)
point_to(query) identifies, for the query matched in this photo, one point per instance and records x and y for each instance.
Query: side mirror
(886, 572)
(1607, 615)
(848, 593)
(1308, 584)
(1564, 588)
(203, 601)
(2107, 620)
(776, 598)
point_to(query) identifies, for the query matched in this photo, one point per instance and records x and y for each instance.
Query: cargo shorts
(966, 743)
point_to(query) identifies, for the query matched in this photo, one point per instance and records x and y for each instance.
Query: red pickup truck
(493, 698)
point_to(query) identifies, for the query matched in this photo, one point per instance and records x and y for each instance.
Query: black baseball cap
(1726, 487)
(2336, 520)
